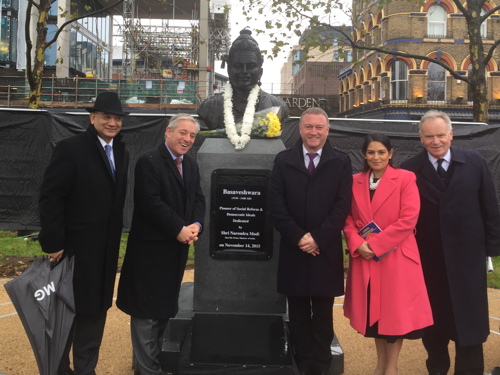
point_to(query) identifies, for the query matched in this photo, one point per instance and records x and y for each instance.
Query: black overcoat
(318, 204)
(81, 211)
(154, 262)
(458, 227)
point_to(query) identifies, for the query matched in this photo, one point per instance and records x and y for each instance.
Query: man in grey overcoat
(457, 229)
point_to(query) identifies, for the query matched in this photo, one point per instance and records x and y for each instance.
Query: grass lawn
(14, 251)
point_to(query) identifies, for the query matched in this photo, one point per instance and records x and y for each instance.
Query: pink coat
(398, 296)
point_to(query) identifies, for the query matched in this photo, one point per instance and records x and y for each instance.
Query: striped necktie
(178, 162)
(107, 148)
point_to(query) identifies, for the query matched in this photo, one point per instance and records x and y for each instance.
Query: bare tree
(288, 17)
(34, 67)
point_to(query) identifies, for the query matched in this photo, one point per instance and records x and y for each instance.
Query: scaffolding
(155, 48)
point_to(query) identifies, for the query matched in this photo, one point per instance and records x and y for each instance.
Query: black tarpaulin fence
(28, 137)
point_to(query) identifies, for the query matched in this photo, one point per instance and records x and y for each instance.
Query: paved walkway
(16, 357)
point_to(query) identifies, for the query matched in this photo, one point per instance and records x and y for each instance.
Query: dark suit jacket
(81, 211)
(319, 204)
(155, 261)
(458, 228)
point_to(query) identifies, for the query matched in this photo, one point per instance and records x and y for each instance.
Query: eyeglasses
(107, 117)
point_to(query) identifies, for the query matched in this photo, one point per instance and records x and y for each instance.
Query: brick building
(317, 73)
(388, 86)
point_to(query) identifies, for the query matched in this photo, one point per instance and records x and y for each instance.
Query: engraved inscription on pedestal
(241, 226)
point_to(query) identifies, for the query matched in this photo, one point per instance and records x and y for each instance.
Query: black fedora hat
(108, 102)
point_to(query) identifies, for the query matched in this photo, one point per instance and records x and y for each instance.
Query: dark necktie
(311, 167)
(107, 148)
(178, 162)
(440, 170)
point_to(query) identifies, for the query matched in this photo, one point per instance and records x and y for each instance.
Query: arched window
(436, 82)
(399, 80)
(436, 21)
(484, 25)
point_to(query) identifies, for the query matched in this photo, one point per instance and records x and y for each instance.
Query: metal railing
(15, 91)
(415, 103)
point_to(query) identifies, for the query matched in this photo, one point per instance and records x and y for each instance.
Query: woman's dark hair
(376, 137)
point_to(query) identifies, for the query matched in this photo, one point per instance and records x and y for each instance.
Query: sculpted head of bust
(244, 62)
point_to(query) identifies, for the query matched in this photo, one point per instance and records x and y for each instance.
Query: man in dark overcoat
(310, 199)
(169, 208)
(458, 228)
(81, 214)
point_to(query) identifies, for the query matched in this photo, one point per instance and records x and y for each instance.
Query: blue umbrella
(43, 298)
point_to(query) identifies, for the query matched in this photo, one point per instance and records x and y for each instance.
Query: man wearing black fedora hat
(81, 215)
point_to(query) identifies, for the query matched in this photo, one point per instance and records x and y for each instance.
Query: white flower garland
(373, 185)
(239, 141)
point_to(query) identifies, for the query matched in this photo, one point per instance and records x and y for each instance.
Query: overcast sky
(271, 77)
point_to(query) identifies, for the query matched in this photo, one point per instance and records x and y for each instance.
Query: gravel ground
(16, 356)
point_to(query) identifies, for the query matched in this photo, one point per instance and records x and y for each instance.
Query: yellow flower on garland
(274, 125)
(267, 123)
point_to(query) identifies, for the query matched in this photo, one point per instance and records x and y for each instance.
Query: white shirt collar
(171, 154)
(447, 159)
(103, 142)
(304, 151)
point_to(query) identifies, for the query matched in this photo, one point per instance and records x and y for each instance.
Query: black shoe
(66, 372)
(495, 371)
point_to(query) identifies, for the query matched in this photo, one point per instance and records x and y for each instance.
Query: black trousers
(469, 360)
(85, 337)
(311, 330)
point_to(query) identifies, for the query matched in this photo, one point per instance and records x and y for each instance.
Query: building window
(297, 62)
(399, 80)
(436, 83)
(380, 89)
(436, 21)
(51, 52)
(484, 26)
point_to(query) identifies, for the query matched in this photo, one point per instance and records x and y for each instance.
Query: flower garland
(239, 141)
(373, 183)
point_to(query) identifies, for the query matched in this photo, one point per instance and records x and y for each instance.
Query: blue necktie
(107, 148)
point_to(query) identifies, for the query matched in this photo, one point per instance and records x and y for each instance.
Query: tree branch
(490, 52)
(29, 43)
(355, 45)
(463, 10)
(32, 2)
(489, 13)
(60, 29)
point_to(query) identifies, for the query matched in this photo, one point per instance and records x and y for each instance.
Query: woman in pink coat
(385, 297)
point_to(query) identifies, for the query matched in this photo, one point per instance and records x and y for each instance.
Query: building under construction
(170, 43)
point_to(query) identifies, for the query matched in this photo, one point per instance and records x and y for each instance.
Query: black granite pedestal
(232, 320)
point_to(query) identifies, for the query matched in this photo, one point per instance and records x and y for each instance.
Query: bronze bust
(244, 63)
